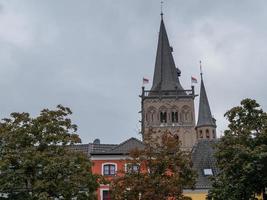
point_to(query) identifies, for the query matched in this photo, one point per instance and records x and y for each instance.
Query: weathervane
(161, 8)
(201, 73)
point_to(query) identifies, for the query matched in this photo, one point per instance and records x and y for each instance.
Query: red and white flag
(145, 81)
(193, 79)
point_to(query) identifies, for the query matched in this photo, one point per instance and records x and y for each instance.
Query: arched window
(163, 117)
(186, 115)
(200, 134)
(207, 133)
(109, 169)
(163, 114)
(150, 118)
(174, 116)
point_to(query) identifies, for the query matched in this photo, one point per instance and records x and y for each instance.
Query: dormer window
(208, 172)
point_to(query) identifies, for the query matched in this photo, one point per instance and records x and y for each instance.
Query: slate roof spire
(165, 72)
(204, 113)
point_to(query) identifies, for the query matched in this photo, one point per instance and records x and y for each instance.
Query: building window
(208, 172)
(105, 195)
(174, 117)
(186, 115)
(109, 169)
(213, 133)
(132, 168)
(200, 134)
(207, 133)
(163, 117)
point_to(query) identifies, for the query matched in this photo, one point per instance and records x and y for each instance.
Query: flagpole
(200, 66)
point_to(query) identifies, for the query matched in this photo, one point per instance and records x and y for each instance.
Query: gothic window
(175, 117)
(163, 114)
(163, 117)
(207, 133)
(200, 134)
(186, 115)
(151, 115)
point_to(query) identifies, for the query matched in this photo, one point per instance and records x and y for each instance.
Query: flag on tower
(193, 79)
(145, 81)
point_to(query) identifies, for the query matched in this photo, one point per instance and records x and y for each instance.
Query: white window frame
(109, 163)
(125, 166)
(101, 192)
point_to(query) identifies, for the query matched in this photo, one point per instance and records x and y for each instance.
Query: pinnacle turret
(204, 114)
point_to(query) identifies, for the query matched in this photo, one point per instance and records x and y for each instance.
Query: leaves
(36, 160)
(242, 154)
(164, 170)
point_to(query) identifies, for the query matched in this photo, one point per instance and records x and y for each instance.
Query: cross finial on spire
(201, 73)
(161, 9)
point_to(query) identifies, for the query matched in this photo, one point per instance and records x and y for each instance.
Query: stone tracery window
(174, 115)
(186, 114)
(150, 115)
(163, 114)
(163, 117)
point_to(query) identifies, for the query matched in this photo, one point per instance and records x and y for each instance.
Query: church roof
(203, 159)
(204, 113)
(165, 72)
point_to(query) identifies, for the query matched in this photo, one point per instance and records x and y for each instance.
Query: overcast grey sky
(91, 56)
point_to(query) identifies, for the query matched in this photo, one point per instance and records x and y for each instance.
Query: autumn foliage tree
(162, 173)
(35, 161)
(241, 154)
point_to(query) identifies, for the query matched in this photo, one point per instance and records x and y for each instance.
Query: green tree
(36, 161)
(242, 154)
(164, 170)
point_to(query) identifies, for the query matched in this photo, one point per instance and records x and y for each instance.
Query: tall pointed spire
(204, 113)
(165, 73)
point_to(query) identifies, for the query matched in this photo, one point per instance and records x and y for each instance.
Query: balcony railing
(168, 93)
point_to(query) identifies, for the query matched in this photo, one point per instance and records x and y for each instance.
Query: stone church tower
(167, 106)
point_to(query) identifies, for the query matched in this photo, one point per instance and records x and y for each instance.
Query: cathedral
(167, 106)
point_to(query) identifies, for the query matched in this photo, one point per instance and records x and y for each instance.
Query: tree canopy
(241, 154)
(159, 171)
(36, 161)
